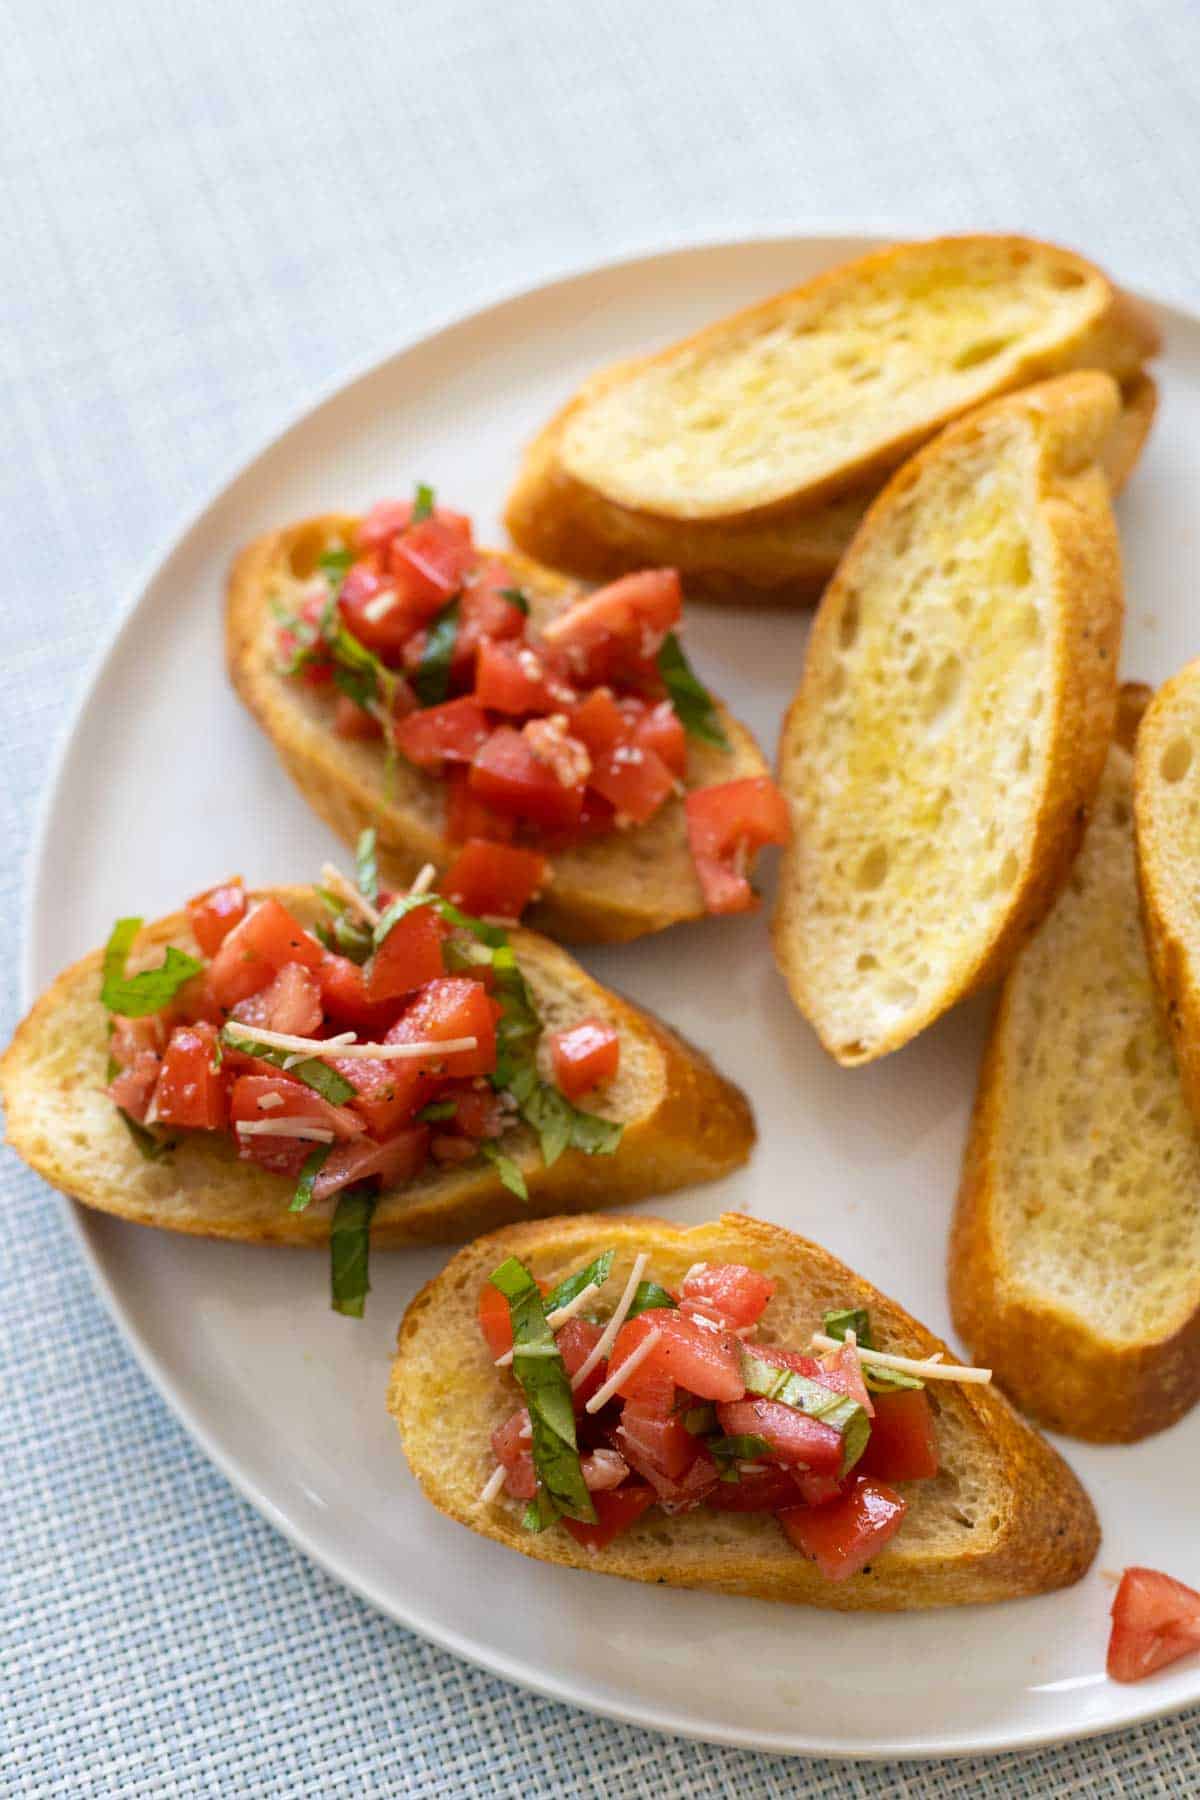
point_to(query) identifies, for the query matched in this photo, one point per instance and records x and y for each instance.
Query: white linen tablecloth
(209, 213)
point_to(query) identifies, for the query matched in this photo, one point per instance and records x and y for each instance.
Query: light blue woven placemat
(206, 213)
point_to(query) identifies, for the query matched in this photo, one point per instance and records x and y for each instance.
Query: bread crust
(607, 891)
(1072, 507)
(684, 1123)
(785, 561)
(1035, 1529)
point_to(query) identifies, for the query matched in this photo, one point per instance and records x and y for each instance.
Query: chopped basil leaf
(559, 1125)
(691, 700)
(539, 1513)
(508, 1171)
(151, 1146)
(750, 1448)
(432, 678)
(547, 1392)
(366, 866)
(310, 1069)
(596, 1273)
(846, 1416)
(700, 1419)
(399, 909)
(516, 598)
(136, 995)
(349, 1252)
(649, 1297)
(334, 565)
(423, 503)
(858, 1320)
(309, 1171)
(438, 1109)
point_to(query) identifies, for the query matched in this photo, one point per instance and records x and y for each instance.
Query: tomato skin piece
(409, 956)
(707, 1363)
(493, 880)
(453, 1006)
(213, 914)
(633, 779)
(616, 1510)
(191, 1089)
(256, 949)
(762, 1490)
(583, 1056)
(467, 816)
(1155, 1620)
(842, 1537)
(728, 821)
(729, 1292)
(394, 1162)
(793, 1437)
(506, 775)
(453, 732)
(903, 1444)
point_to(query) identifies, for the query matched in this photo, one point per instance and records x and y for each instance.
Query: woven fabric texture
(208, 213)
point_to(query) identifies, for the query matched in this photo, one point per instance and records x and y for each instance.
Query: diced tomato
(692, 1488)
(452, 1007)
(511, 1447)
(344, 998)
(131, 1037)
(841, 1370)
(506, 774)
(583, 1056)
(1155, 1620)
(726, 824)
(409, 956)
(131, 1090)
(430, 561)
(256, 949)
(707, 1363)
(478, 1114)
(452, 732)
(615, 1513)
(842, 1537)
(467, 816)
(288, 1099)
(576, 1339)
(213, 914)
(484, 613)
(620, 625)
(493, 880)
(759, 1490)
(788, 1359)
(793, 1437)
(495, 1320)
(659, 1435)
(395, 1161)
(191, 1088)
(511, 678)
(659, 728)
(728, 1292)
(903, 1443)
(375, 612)
(599, 723)
(388, 1095)
(291, 1003)
(817, 1490)
(195, 1000)
(350, 720)
(633, 779)
(381, 524)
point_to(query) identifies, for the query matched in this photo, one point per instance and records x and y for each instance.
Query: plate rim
(856, 239)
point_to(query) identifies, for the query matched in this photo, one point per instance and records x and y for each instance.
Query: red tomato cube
(291, 1003)
(452, 1007)
(493, 880)
(495, 1320)
(467, 816)
(212, 915)
(842, 1537)
(659, 728)
(616, 1510)
(450, 733)
(256, 949)
(599, 723)
(387, 1095)
(626, 620)
(484, 613)
(903, 1443)
(793, 1437)
(511, 678)
(191, 1087)
(633, 779)
(659, 1435)
(726, 824)
(759, 1490)
(506, 775)
(729, 1292)
(1155, 1620)
(430, 561)
(576, 1340)
(706, 1363)
(584, 1056)
(409, 956)
(343, 986)
(350, 720)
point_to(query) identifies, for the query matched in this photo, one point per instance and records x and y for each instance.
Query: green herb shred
(845, 1415)
(349, 1252)
(423, 503)
(311, 1168)
(691, 700)
(432, 678)
(516, 598)
(334, 564)
(135, 996)
(858, 1320)
(594, 1273)
(310, 1069)
(366, 865)
(508, 1171)
(649, 1297)
(547, 1389)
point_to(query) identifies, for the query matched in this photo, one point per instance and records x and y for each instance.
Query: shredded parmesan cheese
(930, 1369)
(633, 1361)
(311, 1129)
(492, 1486)
(608, 1336)
(424, 880)
(346, 1046)
(268, 1102)
(345, 890)
(381, 605)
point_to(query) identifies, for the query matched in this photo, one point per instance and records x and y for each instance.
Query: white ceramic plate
(164, 785)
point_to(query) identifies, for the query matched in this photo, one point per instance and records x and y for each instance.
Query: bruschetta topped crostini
(454, 697)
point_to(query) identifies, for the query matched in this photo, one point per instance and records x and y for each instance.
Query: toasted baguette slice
(1075, 1254)
(1167, 820)
(784, 559)
(1004, 1517)
(683, 1122)
(606, 891)
(953, 719)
